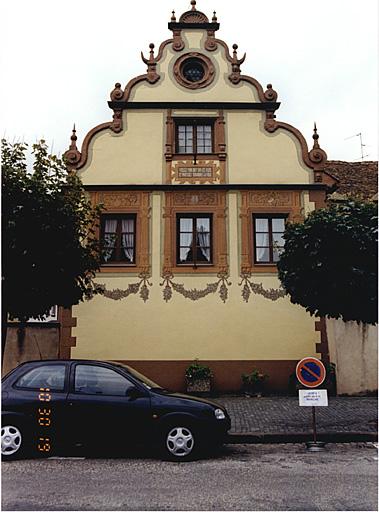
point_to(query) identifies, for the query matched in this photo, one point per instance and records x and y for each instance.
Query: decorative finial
(193, 3)
(173, 17)
(316, 154)
(234, 77)
(151, 46)
(214, 19)
(315, 137)
(74, 138)
(152, 75)
(72, 155)
(270, 94)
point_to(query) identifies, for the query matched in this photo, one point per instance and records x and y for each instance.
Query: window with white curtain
(268, 238)
(194, 239)
(118, 235)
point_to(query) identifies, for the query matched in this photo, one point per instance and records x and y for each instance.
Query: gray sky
(60, 61)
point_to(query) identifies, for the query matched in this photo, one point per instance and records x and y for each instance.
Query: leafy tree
(329, 263)
(50, 252)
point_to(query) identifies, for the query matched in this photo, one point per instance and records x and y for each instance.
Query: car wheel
(180, 442)
(12, 442)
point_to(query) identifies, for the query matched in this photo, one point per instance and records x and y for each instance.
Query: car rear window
(47, 376)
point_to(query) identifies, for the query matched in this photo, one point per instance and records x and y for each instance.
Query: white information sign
(313, 397)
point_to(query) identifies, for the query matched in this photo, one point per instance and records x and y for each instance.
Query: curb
(301, 437)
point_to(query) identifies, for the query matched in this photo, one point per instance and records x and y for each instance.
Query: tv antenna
(362, 145)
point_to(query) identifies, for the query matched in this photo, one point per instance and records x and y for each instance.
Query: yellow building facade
(197, 178)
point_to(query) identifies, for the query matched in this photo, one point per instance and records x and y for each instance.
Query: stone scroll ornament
(142, 286)
(193, 293)
(249, 287)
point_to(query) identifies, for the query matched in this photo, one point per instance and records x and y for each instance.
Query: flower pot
(198, 385)
(254, 388)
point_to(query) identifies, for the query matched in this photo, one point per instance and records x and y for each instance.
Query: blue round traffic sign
(310, 372)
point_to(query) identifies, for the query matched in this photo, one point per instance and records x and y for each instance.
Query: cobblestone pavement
(276, 415)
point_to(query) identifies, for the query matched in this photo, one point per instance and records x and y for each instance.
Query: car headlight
(219, 413)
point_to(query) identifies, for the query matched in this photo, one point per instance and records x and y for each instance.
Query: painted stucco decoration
(249, 287)
(117, 294)
(221, 285)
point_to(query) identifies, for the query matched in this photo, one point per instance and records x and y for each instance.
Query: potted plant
(198, 378)
(253, 383)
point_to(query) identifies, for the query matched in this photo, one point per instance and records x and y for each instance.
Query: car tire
(14, 441)
(180, 442)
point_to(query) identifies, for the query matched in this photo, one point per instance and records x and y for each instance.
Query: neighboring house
(198, 179)
(355, 179)
(353, 347)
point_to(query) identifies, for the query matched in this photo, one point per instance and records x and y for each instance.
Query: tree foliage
(50, 252)
(329, 263)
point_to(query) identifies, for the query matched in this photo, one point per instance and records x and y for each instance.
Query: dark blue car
(50, 405)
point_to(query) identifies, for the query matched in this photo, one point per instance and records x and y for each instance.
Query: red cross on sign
(310, 372)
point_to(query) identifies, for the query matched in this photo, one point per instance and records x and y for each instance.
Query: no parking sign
(310, 372)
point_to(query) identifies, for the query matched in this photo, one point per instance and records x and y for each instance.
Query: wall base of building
(227, 374)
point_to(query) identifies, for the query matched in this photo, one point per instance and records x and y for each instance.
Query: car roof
(68, 361)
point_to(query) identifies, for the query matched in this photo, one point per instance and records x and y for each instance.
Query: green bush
(329, 262)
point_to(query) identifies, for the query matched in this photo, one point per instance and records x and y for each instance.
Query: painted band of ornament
(249, 287)
(270, 198)
(119, 199)
(191, 198)
(194, 294)
(142, 287)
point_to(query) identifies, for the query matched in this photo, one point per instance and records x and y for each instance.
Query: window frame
(268, 201)
(193, 216)
(195, 201)
(194, 123)
(269, 217)
(119, 217)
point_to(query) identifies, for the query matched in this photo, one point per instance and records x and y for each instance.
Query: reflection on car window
(148, 383)
(48, 376)
(97, 380)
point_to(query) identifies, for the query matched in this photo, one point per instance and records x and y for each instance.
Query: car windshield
(142, 378)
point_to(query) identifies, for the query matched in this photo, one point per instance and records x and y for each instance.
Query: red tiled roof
(359, 179)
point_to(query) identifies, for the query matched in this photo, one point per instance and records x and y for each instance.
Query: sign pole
(311, 373)
(314, 423)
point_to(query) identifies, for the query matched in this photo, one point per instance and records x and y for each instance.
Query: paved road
(241, 477)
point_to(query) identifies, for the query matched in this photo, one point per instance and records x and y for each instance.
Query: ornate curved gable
(194, 66)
